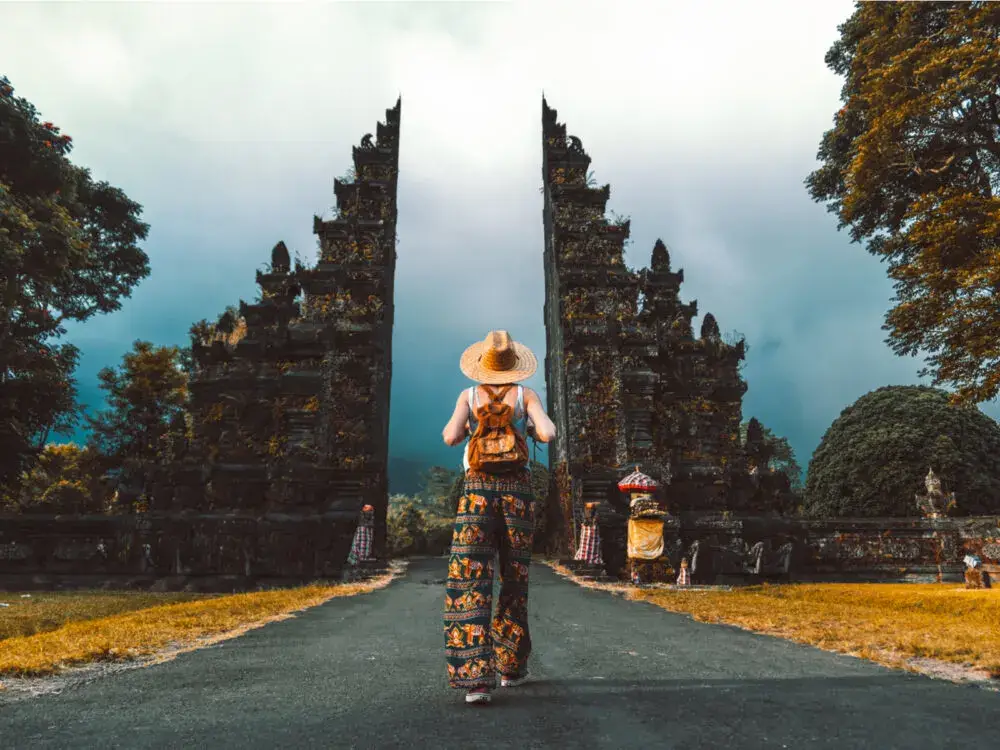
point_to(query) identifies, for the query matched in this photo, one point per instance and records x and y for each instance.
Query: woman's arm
(545, 431)
(458, 426)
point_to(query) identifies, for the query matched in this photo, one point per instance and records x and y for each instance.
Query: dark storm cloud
(229, 122)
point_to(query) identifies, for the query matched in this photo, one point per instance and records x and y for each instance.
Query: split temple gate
(291, 418)
(287, 437)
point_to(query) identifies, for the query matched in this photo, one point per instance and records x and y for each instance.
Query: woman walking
(496, 517)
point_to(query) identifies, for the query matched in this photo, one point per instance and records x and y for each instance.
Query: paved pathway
(368, 672)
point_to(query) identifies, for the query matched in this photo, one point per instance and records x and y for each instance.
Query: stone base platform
(364, 570)
(586, 572)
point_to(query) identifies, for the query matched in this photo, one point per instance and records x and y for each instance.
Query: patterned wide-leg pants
(496, 517)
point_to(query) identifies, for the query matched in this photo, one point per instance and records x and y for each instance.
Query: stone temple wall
(226, 552)
(290, 417)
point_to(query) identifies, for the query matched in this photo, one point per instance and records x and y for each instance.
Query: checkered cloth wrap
(361, 549)
(684, 577)
(590, 545)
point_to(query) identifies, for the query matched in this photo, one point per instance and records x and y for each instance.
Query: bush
(65, 479)
(412, 530)
(423, 524)
(67, 497)
(874, 457)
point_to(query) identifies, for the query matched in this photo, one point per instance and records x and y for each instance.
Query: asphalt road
(369, 672)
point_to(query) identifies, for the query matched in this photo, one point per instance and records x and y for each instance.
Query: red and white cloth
(361, 548)
(638, 482)
(589, 550)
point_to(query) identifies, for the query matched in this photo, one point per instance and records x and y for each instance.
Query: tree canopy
(146, 396)
(783, 456)
(912, 166)
(874, 457)
(65, 479)
(68, 250)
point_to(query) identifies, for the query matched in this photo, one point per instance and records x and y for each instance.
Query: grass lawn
(885, 622)
(66, 628)
(32, 612)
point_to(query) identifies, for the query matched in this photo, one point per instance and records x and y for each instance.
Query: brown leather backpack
(496, 447)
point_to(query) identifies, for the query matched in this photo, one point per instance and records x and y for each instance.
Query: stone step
(364, 570)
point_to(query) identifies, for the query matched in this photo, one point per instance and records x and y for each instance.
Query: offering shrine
(648, 561)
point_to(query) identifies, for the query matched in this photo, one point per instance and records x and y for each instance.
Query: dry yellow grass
(126, 635)
(32, 612)
(887, 623)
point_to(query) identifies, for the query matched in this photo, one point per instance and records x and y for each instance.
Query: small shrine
(647, 561)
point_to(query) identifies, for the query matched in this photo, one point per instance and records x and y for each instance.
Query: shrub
(65, 479)
(874, 457)
(412, 530)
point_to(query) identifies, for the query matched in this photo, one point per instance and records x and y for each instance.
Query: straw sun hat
(498, 359)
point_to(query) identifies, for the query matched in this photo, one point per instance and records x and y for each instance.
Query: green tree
(146, 396)
(414, 530)
(65, 479)
(782, 459)
(874, 457)
(68, 250)
(912, 166)
(442, 488)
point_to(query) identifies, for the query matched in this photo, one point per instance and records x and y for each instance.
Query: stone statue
(684, 576)
(934, 503)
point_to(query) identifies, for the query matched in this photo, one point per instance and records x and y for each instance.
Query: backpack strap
(520, 401)
(496, 396)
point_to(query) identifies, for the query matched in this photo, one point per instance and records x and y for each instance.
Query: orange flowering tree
(68, 250)
(912, 167)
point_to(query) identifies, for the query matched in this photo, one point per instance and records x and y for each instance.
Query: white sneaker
(479, 695)
(513, 681)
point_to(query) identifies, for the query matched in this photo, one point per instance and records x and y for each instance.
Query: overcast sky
(229, 121)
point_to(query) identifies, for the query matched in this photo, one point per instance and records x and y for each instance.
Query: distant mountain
(405, 475)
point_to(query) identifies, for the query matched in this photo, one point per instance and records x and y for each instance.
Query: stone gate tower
(627, 381)
(290, 402)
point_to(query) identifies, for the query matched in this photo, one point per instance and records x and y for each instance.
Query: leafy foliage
(874, 457)
(912, 165)
(783, 456)
(441, 490)
(146, 395)
(65, 479)
(413, 530)
(422, 524)
(68, 250)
